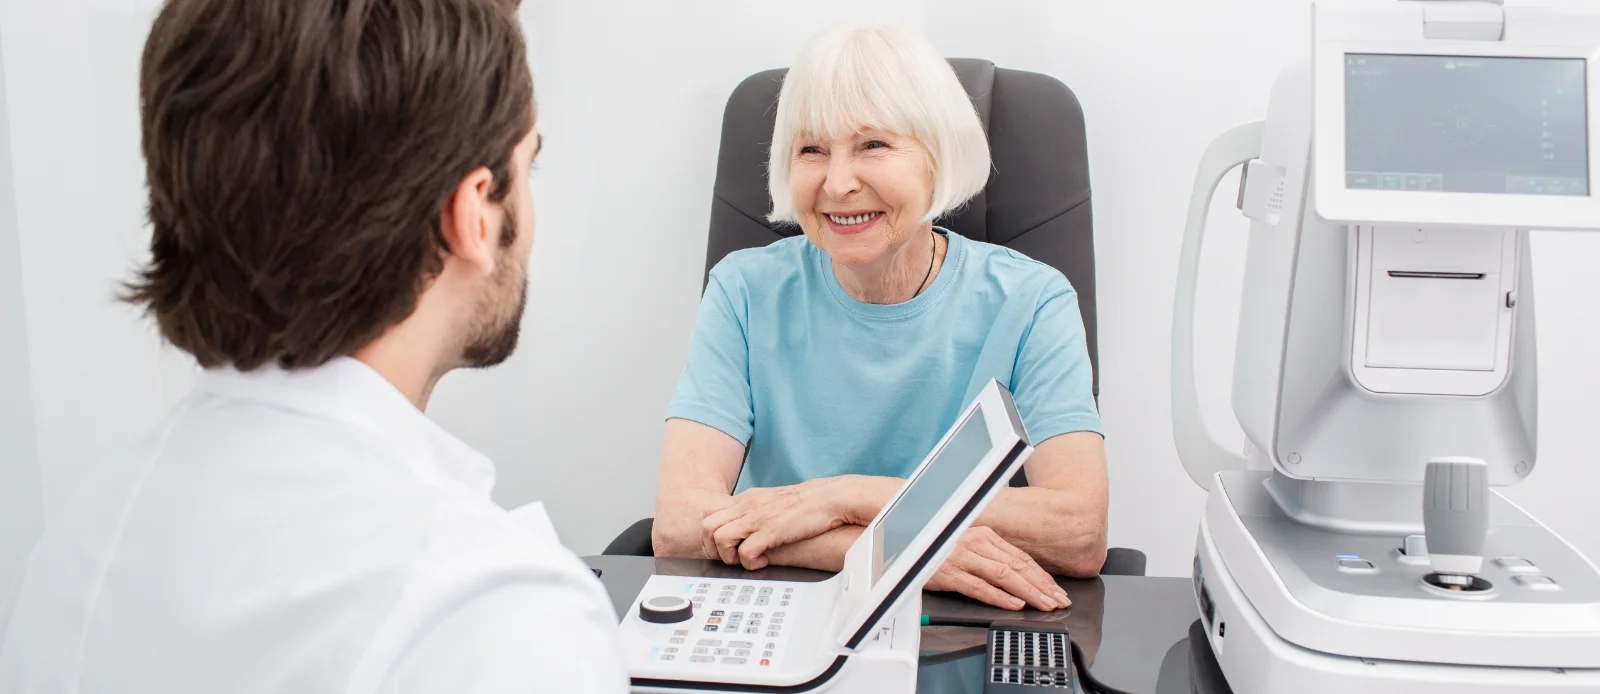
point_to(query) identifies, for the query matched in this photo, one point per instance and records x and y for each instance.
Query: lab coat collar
(348, 390)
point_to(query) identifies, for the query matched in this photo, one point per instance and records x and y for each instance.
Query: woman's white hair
(850, 79)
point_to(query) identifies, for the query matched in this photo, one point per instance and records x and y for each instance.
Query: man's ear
(467, 220)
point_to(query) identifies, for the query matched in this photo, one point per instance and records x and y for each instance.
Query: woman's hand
(987, 568)
(763, 518)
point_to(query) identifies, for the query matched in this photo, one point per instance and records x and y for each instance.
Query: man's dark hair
(298, 153)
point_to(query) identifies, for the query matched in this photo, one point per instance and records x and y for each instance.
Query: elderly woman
(824, 367)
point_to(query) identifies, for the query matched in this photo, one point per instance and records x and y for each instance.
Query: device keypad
(738, 608)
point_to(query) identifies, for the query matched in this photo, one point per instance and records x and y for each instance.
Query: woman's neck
(901, 277)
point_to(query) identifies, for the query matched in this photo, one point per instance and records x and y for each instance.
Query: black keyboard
(1028, 657)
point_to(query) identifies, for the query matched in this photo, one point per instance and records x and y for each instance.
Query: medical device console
(1385, 375)
(859, 630)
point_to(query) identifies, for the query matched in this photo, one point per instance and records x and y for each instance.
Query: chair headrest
(1036, 138)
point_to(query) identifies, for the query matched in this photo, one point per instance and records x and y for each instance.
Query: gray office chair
(1036, 201)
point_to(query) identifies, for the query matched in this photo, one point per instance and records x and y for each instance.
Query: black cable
(1090, 684)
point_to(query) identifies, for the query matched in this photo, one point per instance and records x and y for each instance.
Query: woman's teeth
(852, 220)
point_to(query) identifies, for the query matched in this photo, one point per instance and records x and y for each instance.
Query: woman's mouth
(852, 222)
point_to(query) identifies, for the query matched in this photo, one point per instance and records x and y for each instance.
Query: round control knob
(666, 609)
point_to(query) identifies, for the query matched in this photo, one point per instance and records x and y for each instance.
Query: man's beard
(498, 320)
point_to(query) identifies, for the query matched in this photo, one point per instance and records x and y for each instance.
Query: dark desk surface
(1133, 629)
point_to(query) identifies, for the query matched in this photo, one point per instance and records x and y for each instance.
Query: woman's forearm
(677, 531)
(1065, 533)
(824, 552)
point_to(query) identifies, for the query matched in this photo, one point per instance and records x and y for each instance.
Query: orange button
(765, 662)
(713, 620)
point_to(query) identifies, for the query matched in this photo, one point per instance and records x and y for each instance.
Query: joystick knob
(666, 609)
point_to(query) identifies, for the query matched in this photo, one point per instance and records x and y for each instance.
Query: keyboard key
(718, 613)
(772, 634)
(771, 645)
(743, 600)
(701, 650)
(777, 620)
(748, 589)
(681, 632)
(765, 662)
(702, 659)
(742, 652)
(711, 627)
(705, 585)
(740, 644)
(762, 602)
(708, 642)
(766, 591)
(733, 661)
(751, 630)
(675, 640)
(766, 654)
(738, 615)
(669, 650)
(721, 651)
(777, 614)
(755, 622)
(669, 657)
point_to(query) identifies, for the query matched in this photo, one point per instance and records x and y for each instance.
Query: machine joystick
(666, 609)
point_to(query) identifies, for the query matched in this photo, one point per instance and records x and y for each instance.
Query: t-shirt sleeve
(1053, 383)
(714, 388)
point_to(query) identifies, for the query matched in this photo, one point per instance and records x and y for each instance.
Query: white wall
(631, 101)
(72, 100)
(21, 495)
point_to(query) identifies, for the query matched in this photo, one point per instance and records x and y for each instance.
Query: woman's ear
(468, 223)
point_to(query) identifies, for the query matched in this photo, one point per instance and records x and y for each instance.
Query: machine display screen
(1466, 124)
(934, 485)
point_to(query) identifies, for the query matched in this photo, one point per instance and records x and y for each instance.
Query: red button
(713, 620)
(765, 663)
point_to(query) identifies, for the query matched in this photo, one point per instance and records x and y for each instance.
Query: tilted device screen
(1466, 124)
(932, 487)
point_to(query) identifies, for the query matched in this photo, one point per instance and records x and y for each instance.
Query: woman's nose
(841, 182)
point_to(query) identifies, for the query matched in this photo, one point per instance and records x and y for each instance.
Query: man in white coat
(339, 196)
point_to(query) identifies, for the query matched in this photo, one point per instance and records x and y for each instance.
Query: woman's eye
(875, 144)
(811, 149)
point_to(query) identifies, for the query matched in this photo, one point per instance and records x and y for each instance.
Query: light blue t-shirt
(818, 384)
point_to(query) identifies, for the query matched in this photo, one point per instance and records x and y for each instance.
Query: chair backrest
(1036, 201)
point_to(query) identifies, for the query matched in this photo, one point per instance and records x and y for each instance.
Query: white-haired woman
(822, 368)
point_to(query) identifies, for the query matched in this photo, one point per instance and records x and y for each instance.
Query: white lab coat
(297, 532)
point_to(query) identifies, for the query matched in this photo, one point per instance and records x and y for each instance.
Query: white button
(1516, 565)
(1537, 582)
(1356, 566)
